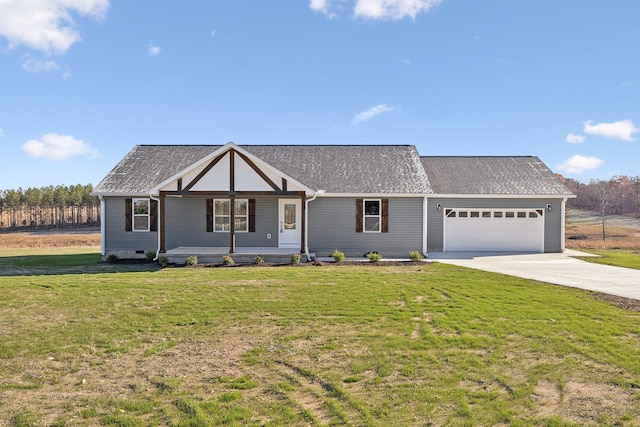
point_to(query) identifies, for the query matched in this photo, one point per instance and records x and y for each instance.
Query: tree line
(48, 207)
(618, 196)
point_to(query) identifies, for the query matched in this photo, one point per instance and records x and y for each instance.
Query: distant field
(584, 231)
(84, 343)
(51, 239)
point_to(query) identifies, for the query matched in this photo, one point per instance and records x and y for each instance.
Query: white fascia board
(265, 165)
(373, 195)
(205, 159)
(222, 150)
(501, 196)
(121, 194)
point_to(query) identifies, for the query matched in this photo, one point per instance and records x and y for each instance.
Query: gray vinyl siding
(186, 225)
(552, 219)
(332, 225)
(117, 240)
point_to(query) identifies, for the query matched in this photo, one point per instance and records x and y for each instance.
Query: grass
(618, 258)
(621, 248)
(321, 345)
(52, 261)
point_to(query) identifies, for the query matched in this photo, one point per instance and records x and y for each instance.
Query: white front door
(290, 226)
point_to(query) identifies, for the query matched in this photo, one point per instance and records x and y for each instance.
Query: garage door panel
(494, 234)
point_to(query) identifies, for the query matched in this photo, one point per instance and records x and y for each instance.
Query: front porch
(242, 255)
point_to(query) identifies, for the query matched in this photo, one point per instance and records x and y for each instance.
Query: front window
(140, 214)
(222, 215)
(372, 216)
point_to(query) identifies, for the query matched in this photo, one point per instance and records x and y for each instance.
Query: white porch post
(563, 219)
(103, 209)
(425, 214)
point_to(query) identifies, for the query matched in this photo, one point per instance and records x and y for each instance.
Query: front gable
(231, 169)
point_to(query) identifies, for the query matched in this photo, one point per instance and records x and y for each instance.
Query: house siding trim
(502, 196)
(117, 241)
(553, 219)
(332, 226)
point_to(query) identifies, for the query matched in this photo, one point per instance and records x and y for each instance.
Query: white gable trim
(202, 163)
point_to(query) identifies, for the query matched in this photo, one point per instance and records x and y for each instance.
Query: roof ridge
(278, 145)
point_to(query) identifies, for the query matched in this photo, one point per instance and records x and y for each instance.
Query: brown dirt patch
(579, 401)
(621, 302)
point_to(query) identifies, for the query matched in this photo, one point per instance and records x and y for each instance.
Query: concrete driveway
(557, 268)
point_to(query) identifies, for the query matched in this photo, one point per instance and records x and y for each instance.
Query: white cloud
(389, 10)
(321, 6)
(46, 25)
(578, 164)
(213, 33)
(572, 138)
(33, 65)
(392, 9)
(623, 129)
(57, 147)
(1, 133)
(370, 113)
(153, 50)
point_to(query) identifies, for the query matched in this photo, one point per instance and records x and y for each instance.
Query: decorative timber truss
(231, 194)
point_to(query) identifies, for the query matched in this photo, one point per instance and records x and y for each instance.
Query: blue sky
(83, 81)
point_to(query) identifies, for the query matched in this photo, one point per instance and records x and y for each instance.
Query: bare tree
(603, 189)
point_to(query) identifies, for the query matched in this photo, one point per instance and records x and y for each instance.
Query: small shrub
(259, 260)
(112, 258)
(352, 379)
(295, 259)
(191, 260)
(374, 256)
(338, 256)
(227, 260)
(415, 256)
(164, 261)
(150, 255)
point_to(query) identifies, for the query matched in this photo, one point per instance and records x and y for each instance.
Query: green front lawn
(315, 345)
(616, 257)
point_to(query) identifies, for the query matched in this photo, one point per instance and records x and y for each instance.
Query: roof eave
(502, 196)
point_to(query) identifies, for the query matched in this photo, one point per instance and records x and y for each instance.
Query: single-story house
(210, 201)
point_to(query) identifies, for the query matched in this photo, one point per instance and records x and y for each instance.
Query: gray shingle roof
(497, 175)
(393, 169)
(146, 166)
(349, 168)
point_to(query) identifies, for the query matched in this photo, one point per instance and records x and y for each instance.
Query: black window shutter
(252, 215)
(359, 215)
(128, 213)
(209, 215)
(385, 215)
(153, 216)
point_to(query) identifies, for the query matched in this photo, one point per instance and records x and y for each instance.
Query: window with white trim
(222, 215)
(372, 216)
(140, 214)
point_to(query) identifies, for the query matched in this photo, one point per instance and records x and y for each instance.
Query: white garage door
(509, 230)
